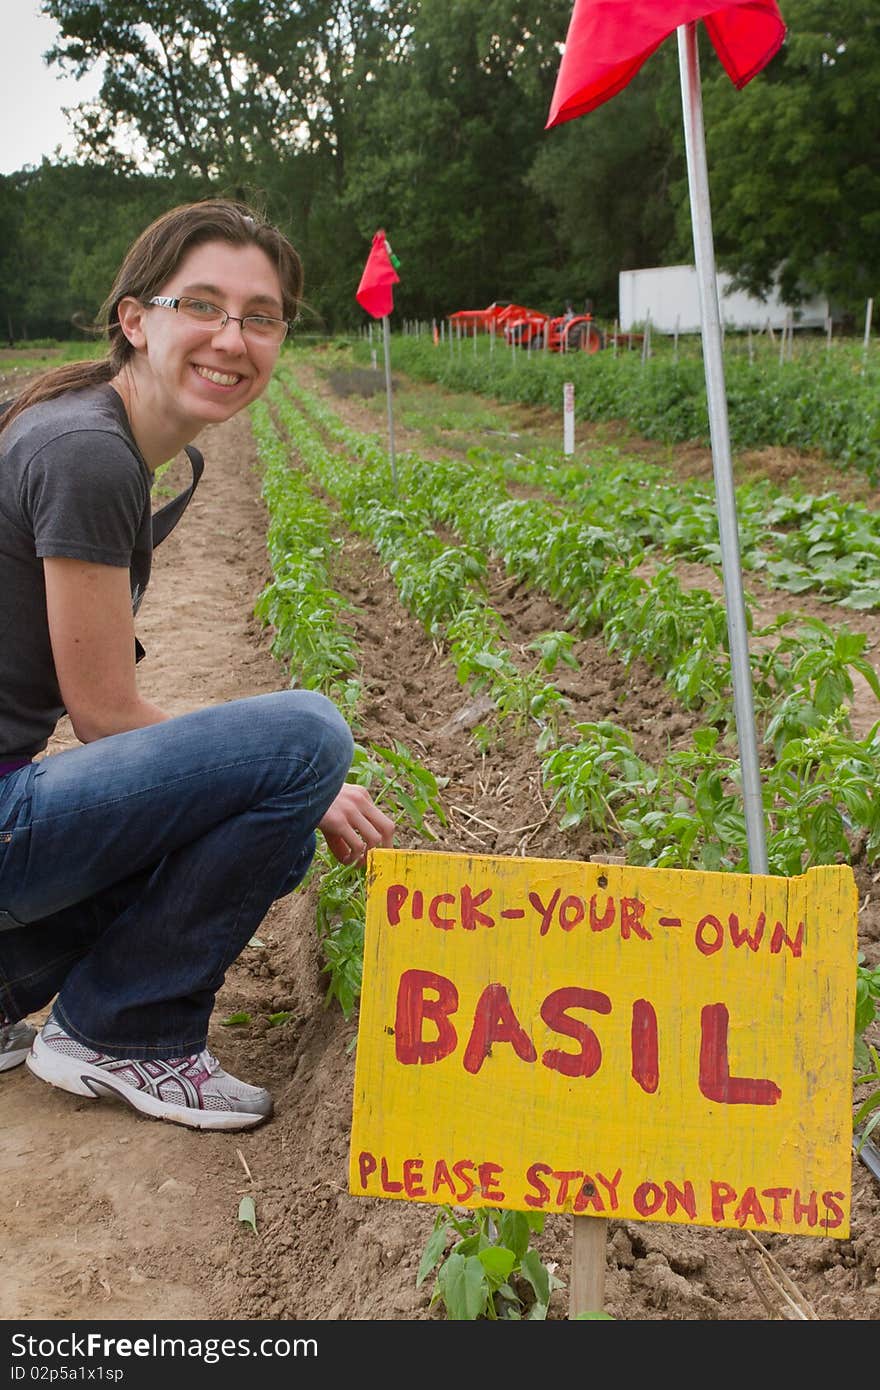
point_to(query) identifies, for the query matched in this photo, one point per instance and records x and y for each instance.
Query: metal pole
(386, 334)
(725, 497)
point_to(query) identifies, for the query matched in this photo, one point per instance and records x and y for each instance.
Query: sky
(32, 94)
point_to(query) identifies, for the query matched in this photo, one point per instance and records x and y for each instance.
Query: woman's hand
(354, 824)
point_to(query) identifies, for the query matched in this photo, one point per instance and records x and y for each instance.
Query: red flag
(609, 40)
(374, 292)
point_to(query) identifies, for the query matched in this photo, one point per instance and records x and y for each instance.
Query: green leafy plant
(806, 677)
(491, 1270)
(340, 919)
(867, 1006)
(591, 778)
(398, 782)
(869, 1110)
(867, 1059)
(411, 795)
(553, 647)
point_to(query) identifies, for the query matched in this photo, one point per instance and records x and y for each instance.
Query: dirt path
(112, 1216)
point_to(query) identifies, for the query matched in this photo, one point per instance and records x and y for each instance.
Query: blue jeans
(134, 870)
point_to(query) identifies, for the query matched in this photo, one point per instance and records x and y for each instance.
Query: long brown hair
(149, 262)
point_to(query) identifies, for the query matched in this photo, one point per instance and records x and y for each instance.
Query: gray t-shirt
(73, 483)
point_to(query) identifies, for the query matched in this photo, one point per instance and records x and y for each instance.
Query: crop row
(817, 793)
(826, 401)
(800, 542)
(308, 620)
(311, 633)
(818, 788)
(592, 567)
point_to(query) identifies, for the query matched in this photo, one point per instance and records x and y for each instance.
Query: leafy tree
(175, 77)
(216, 86)
(71, 225)
(13, 275)
(795, 158)
(339, 116)
(608, 177)
(258, 98)
(447, 143)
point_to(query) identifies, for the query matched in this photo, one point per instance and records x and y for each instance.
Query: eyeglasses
(211, 317)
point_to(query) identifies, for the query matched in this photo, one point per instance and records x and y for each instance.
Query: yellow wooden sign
(644, 1044)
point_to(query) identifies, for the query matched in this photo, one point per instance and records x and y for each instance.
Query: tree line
(427, 118)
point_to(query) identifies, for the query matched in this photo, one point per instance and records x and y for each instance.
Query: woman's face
(204, 375)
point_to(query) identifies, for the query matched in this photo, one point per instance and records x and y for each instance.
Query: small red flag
(374, 292)
(609, 40)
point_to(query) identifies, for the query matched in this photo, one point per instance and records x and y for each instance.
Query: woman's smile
(218, 377)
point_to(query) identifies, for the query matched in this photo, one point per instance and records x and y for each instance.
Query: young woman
(135, 868)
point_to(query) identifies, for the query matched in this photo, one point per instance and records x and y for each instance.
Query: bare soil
(112, 1216)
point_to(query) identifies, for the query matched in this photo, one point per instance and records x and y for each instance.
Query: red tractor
(490, 320)
(564, 333)
(531, 328)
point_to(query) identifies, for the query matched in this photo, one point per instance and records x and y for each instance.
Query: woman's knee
(316, 723)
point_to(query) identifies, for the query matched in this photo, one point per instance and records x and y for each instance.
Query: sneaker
(15, 1044)
(193, 1091)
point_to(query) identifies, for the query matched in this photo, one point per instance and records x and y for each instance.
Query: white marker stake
(568, 418)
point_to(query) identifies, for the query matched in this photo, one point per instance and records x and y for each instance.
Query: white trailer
(669, 296)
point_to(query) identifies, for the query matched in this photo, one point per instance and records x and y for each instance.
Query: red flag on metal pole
(374, 293)
(609, 40)
(607, 43)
